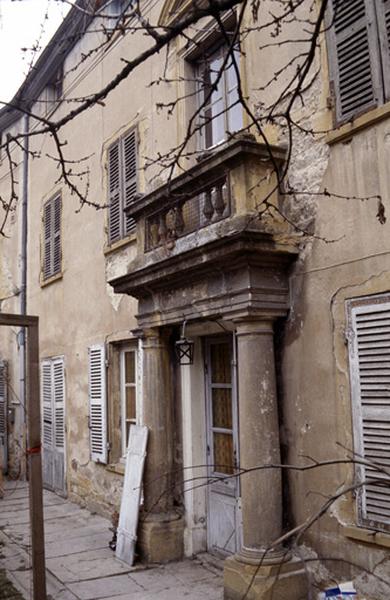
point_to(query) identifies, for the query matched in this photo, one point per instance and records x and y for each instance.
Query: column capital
(255, 326)
(152, 336)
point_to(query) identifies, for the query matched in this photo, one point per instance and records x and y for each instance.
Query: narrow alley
(79, 563)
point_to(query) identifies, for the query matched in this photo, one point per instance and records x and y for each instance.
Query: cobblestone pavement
(79, 563)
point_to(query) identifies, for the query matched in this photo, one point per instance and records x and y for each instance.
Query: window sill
(344, 132)
(49, 280)
(369, 536)
(117, 468)
(120, 244)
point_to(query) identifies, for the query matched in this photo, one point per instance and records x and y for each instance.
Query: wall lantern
(184, 349)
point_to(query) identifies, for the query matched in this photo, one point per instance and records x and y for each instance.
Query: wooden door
(222, 447)
(53, 412)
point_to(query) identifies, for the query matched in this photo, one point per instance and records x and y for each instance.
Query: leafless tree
(298, 25)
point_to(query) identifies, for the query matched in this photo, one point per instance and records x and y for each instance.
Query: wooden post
(33, 450)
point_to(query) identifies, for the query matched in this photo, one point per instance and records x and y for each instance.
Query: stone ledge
(368, 536)
(368, 119)
(286, 581)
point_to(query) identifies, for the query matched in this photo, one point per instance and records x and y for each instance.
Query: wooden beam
(35, 465)
(18, 320)
(34, 461)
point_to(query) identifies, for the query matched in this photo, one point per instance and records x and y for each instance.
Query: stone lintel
(243, 275)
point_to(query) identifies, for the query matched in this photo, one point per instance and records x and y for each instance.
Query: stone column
(252, 573)
(261, 490)
(157, 411)
(161, 529)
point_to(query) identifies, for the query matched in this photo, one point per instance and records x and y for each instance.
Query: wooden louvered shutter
(129, 158)
(59, 404)
(354, 57)
(52, 237)
(47, 233)
(370, 386)
(3, 415)
(56, 235)
(47, 410)
(97, 404)
(114, 194)
(383, 14)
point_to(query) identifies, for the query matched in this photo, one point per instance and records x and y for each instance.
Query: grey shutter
(97, 404)
(47, 233)
(52, 237)
(114, 194)
(47, 411)
(383, 9)
(3, 416)
(370, 385)
(129, 157)
(56, 235)
(354, 57)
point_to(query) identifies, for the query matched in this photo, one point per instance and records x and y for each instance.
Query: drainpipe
(23, 297)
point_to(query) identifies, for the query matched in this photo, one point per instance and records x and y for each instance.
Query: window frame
(128, 348)
(214, 52)
(50, 245)
(361, 415)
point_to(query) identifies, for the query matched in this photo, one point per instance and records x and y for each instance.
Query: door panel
(53, 412)
(222, 445)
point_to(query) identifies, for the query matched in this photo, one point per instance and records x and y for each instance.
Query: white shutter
(59, 404)
(3, 415)
(47, 411)
(370, 385)
(129, 158)
(114, 194)
(97, 403)
(354, 56)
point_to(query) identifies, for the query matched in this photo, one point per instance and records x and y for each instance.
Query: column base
(285, 581)
(160, 538)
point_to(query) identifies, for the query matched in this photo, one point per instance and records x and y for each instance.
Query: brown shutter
(383, 14)
(114, 194)
(129, 149)
(354, 57)
(52, 237)
(47, 233)
(56, 235)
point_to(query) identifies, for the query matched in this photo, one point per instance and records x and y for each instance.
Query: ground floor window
(128, 392)
(369, 354)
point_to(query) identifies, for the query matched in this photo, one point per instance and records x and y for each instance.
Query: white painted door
(223, 518)
(53, 413)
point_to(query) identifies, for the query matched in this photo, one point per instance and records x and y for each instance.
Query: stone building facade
(289, 332)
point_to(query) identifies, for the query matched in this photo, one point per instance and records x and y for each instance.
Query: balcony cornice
(212, 164)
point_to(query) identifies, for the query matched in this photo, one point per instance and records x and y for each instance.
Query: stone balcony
(200, 240)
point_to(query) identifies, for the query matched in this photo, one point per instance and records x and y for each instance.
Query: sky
(22, 25)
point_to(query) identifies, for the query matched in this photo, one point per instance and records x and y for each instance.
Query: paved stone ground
(79, 563)
(7, 590)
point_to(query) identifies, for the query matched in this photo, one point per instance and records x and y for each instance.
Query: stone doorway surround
(233, 271)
